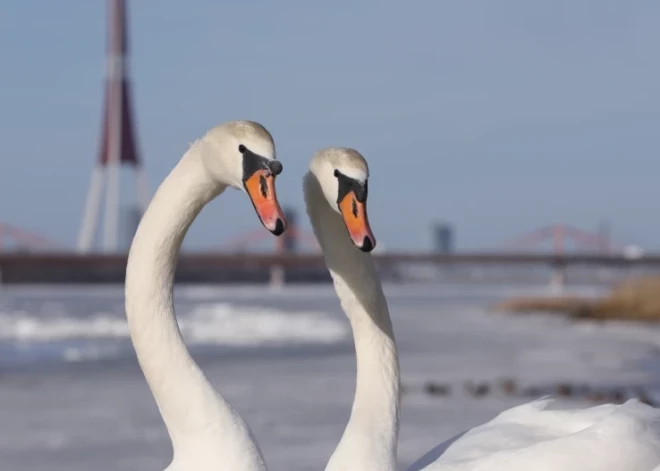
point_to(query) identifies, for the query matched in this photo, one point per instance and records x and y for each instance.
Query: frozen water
(72, 397)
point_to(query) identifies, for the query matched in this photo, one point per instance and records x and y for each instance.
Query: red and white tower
(118, 146)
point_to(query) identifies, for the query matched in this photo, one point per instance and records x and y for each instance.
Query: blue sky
(498, 117)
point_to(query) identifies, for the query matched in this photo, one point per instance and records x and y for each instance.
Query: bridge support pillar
(277, 277)
(558, 279)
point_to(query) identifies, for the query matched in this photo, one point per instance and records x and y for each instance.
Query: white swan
(206, 433)
(529, 437)
(335, 195)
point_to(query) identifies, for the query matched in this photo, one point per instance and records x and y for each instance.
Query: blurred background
(513, 157)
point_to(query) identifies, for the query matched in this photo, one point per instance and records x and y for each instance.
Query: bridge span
(216, 267)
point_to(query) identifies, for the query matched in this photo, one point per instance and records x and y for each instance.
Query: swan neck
(199, 421)
(166, 362)
(371, 434)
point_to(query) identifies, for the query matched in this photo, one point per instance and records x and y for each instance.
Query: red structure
(290, 242)
(16, 239)
(118, 143)
(247, 242)
(557, 239)
(561, 237)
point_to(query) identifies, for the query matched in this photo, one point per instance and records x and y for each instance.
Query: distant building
(443, 238)
(292, 236)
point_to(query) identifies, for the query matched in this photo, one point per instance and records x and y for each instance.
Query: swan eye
(336, 173)
(242, 148)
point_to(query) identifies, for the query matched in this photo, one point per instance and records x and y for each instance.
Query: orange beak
(355, 218)
(260, 186)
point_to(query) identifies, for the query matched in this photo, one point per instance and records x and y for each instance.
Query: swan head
(343, 175)
(241, 154)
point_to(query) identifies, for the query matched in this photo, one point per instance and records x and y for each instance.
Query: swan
(530, 437)
(335, 192)
(205, 431)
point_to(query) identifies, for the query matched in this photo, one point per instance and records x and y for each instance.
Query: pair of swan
(208, 434)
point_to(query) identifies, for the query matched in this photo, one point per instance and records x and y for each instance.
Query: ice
(212, 323)
(295, 384)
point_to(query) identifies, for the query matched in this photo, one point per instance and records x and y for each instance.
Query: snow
(285, 361)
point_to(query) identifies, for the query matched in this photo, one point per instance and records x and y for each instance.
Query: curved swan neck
(193, 411)
(370, 438)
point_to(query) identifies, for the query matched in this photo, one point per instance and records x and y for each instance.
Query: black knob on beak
(275, 167)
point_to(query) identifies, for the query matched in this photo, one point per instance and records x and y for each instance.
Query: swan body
(207, 434)
(533, 437)
(530, 437)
